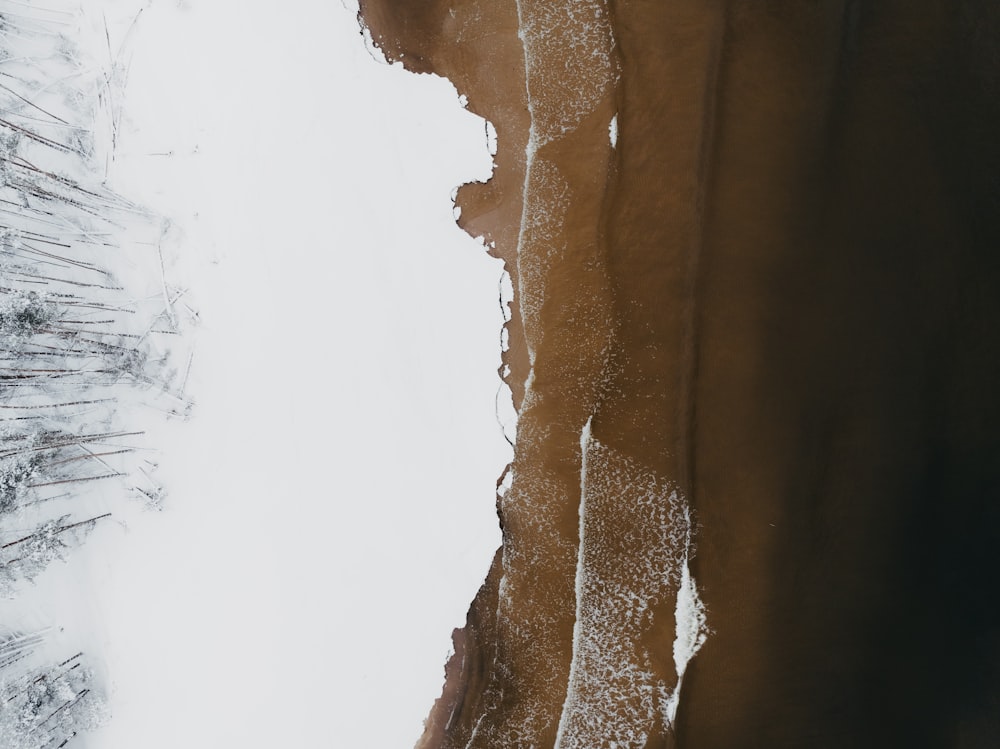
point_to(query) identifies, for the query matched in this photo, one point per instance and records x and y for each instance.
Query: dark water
(756, 340)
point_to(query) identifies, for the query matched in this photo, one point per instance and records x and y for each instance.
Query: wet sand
(771, 307)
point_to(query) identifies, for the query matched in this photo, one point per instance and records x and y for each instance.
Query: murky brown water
(755, 355)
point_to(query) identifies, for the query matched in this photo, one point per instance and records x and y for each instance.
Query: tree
(43, 708)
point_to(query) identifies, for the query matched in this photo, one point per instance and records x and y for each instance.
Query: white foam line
(691, 619)
(690, 626)
(577, 625)
(529, 150)
(475, 731)
(529, 161)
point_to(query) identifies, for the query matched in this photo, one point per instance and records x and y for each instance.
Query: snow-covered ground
(330, 511)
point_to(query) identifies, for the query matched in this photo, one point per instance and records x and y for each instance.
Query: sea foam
(635, 545)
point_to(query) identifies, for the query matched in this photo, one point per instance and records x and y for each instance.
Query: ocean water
(752, 350)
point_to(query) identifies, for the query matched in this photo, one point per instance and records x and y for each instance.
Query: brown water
(755, 356)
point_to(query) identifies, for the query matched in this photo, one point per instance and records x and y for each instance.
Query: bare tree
(84, 348)
(44, 706)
